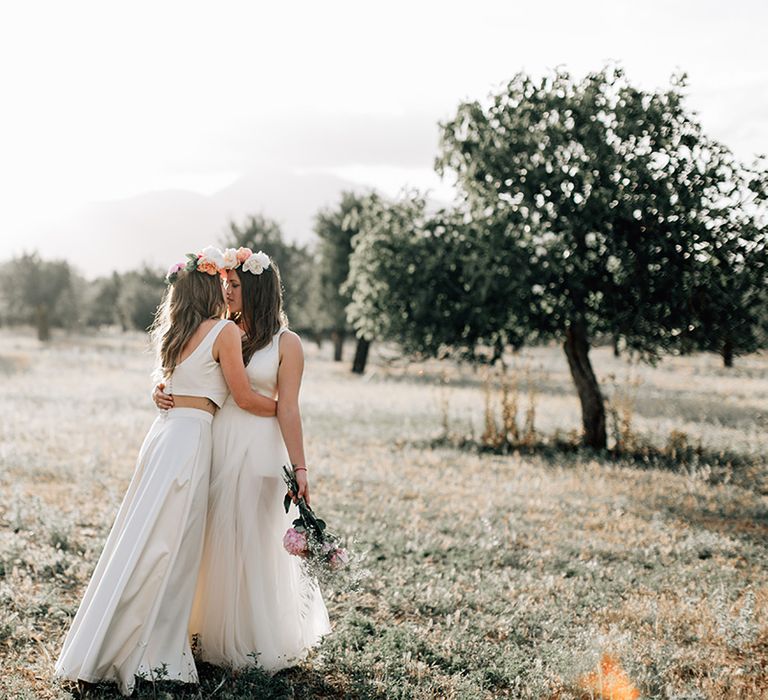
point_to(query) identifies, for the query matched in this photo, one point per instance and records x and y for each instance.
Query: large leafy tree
(294, 261)
(335, 228)
(437, 283)
(615, 194)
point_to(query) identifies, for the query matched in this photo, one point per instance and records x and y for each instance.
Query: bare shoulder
(229, 328)
(207, 324)
(290, 344)
(228, 335)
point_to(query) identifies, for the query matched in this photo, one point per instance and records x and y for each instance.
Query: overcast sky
(105, 100)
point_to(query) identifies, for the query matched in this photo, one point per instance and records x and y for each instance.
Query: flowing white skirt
(253, 605)
(133, 618)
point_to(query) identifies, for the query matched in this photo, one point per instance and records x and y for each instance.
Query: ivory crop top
(199, 374)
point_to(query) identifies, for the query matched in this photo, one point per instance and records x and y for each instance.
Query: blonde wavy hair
(189, 300)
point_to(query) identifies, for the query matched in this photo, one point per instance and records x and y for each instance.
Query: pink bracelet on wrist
(298, 469)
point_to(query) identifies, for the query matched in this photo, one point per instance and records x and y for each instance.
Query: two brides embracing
(195, 552)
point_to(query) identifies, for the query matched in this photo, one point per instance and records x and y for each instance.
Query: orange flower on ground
(609, 682)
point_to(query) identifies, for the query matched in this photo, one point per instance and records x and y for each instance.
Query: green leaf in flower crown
(321, 524)
(298, 522)
(287, 502)
(300, 528)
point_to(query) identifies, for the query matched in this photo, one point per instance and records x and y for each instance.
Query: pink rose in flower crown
(295, 542)
(243, 254)
(175, 268)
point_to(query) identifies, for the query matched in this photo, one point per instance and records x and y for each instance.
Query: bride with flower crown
(253, 605)
(133, 618)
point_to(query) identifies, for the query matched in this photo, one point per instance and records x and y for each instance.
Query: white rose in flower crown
(263, 259)
(257, 263)
(212, 254)
(230, 259)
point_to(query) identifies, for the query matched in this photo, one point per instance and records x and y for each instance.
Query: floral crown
(246, 260)
(209, 260)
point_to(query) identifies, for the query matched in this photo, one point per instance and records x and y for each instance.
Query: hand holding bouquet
(309, 539)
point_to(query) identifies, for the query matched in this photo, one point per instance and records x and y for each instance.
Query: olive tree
(439, 284)
(617, 196)
(335, 228)
(44, 293)
(139, 293)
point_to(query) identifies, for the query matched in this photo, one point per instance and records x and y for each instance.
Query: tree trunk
(361, 355)
(727, 352)
(43, 323)
(576, 348)
(616, 352)
(337, 337)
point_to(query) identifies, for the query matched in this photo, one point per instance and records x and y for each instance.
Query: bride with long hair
(133, 618)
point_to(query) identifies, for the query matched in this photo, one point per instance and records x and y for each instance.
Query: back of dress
(199, 374)
(134, 614)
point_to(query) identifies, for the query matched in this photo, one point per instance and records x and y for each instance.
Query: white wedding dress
(133, 618)
(253, 605)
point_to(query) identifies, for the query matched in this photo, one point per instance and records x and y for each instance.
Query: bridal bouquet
(309, 539)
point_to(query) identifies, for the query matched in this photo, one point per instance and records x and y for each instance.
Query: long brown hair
(190, 300)
(262, 314)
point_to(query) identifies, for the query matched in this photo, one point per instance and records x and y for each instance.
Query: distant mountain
(158, 227)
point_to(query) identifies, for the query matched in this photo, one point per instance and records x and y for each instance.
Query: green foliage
(632, 219)
(294, 261)
(437, 283)
(729, 299)
(101, 301)
(616, 193)
(40, 292)
(589, 208)
(336, 229)
(139, 295)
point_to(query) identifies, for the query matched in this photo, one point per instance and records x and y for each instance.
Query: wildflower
(609, 682)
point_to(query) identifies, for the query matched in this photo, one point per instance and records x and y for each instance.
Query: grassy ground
(491, 576)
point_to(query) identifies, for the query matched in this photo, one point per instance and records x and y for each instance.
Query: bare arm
(228, 350)
(288, 412)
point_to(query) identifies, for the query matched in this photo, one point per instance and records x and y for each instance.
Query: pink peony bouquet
(295, 542)
(309, 538)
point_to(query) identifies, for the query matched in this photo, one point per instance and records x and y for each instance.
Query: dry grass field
(491, 576)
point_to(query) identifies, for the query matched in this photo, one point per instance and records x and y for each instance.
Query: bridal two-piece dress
(253, 604)
(134, 615)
